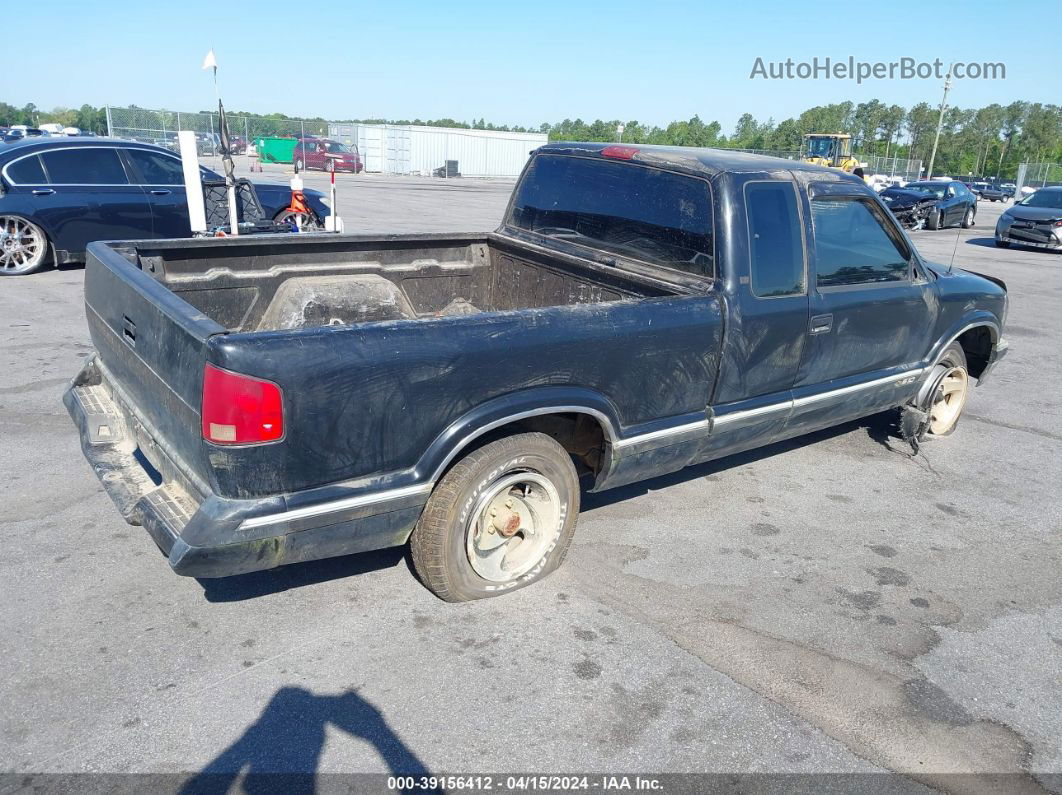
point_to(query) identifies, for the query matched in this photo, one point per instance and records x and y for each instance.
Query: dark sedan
(58, 195)
(954, 203)
(910, 207)
(1035, 221)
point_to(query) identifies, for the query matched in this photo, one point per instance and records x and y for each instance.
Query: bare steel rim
(22, 245)
(513, 526)
(948, 400)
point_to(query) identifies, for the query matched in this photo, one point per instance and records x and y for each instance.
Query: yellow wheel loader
(833, 150)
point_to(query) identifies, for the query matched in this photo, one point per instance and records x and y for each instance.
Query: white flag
(210, 62)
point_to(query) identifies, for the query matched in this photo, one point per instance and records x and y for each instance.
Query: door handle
(43, 192)
(820, 324)
(161, 192)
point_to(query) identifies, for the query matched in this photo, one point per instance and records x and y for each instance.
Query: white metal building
(408, 149)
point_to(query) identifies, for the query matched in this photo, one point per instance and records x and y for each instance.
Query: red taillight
(620, 152)
(238, 409)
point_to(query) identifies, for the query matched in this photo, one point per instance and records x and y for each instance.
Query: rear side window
(87, 166)
(852, 244)
(156, 168)
(776, 245)
(27, 171)
(621, 208)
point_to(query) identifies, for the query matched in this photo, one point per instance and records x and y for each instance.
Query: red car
(316, 152)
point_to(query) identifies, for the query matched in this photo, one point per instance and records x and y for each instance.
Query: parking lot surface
(825, 605)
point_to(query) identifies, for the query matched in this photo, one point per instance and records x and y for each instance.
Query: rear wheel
(501, 518)
(23, 246)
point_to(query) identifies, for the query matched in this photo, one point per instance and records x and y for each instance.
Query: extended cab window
(635, 211)
(84, 166)
(853, 244)
(776, 246)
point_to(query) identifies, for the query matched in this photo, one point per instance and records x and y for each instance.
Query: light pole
(940, 122)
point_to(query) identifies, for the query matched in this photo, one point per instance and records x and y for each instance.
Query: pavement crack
(1055, 437)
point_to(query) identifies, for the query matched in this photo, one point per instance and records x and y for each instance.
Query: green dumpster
(275, 150)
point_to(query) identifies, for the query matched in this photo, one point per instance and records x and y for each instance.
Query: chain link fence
(161, 126)
(902, 167)
(1038, 175)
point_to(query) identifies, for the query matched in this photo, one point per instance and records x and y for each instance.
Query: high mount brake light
(238, 409)
(619, 152)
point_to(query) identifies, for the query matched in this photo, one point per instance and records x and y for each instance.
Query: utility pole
(940, 123)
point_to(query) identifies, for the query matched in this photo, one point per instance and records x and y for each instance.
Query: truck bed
(326, 281)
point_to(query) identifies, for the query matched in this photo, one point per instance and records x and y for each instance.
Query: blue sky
(517, 63)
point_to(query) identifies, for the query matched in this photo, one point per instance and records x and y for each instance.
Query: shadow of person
(280, 752)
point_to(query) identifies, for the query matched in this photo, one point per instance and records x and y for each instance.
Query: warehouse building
(409, 149)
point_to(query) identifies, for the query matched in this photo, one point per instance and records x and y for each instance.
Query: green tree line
(980, 141)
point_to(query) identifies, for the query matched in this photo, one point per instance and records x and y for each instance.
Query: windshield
(933, 188)
(820, 147)
(1051, 199)
(335, 148)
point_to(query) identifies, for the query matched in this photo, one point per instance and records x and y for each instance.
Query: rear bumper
(203, 534)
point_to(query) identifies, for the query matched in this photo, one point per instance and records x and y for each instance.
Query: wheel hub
(511, 528)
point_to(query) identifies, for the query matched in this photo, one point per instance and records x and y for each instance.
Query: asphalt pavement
(829, 605)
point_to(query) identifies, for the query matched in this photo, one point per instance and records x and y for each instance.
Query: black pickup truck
(258, 401)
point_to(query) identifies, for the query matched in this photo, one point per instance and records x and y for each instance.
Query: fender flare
(979, 319)
(502, 410)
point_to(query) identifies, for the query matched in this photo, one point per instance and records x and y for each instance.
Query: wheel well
(977, 345)
(582, 435)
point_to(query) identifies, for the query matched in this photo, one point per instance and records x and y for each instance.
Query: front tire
(968, 219)
(935, 220)
(500, 519)
(950, 391)
(23, 246)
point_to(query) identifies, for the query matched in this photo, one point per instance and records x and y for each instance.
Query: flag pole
(230, 182)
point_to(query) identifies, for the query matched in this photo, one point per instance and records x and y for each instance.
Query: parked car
(1008, 189)
(1034, 221)
(59, 194)
(988, 192)
(639, 309)
(317, 152)
(910, 207)
(955, 203)
(207, 144)
(21, 133)
(237, 145)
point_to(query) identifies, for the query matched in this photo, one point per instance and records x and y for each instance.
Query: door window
(776, 245)
(27, 171)
(854, 244)
(85, 166)
(157, 168)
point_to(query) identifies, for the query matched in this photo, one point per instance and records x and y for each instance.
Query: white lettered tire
(500, 519)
